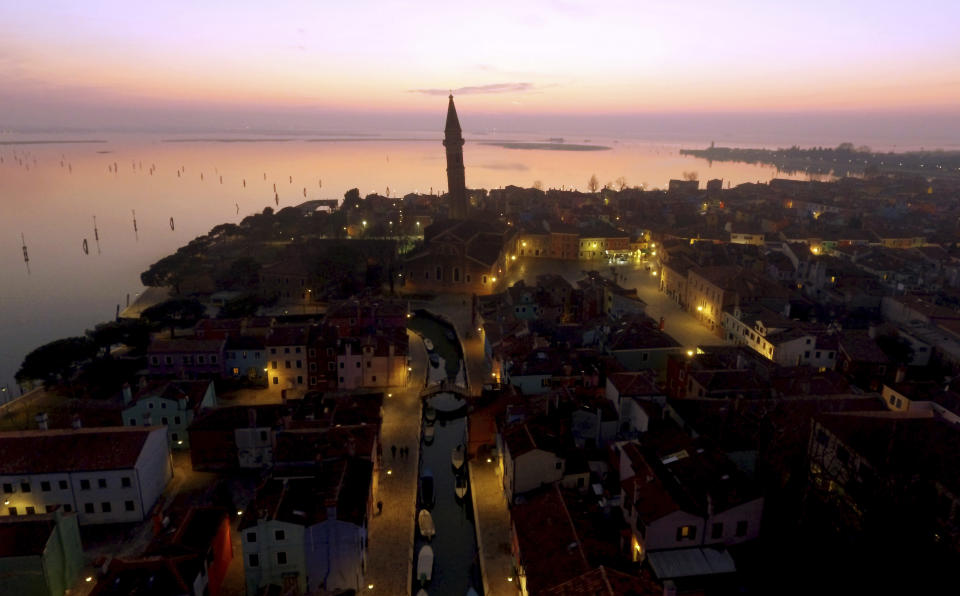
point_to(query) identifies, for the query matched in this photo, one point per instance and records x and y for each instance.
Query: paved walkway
(492, 518)
(391, 533)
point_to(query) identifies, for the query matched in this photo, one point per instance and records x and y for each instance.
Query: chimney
(127, 394)
(75, 421)
(148, 419)
(43, 422)
(901, 374)
(252, 417)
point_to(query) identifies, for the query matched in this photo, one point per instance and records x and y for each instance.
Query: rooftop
(72, 450)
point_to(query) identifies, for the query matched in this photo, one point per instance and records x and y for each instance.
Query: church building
(459, 255)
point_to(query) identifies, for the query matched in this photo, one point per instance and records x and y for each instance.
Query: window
(188, 359)
(168, 360)
(358, 364)
(313, 367)
(176, 420)
(105, 506)
(341, 380)
(164, 421)
(12, 511)
(154, 360)
(7, 487)
(296, 350)
(50, 508)
(251, 536)
(88, 507)
(299, 380)
(273, 350)
(175, 437)
(25, 487)
(373, 379)
(313, 381)
(806, 354)
(133, 422)
(299, 363)
(286, 350)
(263, 436)
(213, 359)
(276, 380)
(369, 364)
(341, 365)
(254, 560)
(63, 484)
(150, 405)
(312, 352)
(716, 531)
(741, 528)
(31, 510)
(818, 353)
(687, 533)
(67, 508)
(201, 360)
(129, 506)
(281, 558)
(559, 465)
(273, 365)
(332, 366)
(286, 363)
(102, 483)
(485, 278)
(125, 482)
(45, 486)
(279, 535)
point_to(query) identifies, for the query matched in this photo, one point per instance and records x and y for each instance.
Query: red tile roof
(72, 450)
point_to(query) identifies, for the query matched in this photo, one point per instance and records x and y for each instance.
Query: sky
(235, 64)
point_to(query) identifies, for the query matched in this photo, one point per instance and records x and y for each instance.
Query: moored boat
(430, 413)
(425, 564)
(457, 457)
(460, 489)
(428, 433)
(426, 488)
(425, 521)
(428, 344)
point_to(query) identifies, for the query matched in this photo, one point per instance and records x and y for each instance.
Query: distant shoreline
(74, 142)
(546, 146)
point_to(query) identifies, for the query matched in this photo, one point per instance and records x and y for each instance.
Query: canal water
(456, 566)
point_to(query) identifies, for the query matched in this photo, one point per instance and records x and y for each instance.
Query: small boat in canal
(425, 564)
(425, 522)
(472, 592)
(457, 457)
(426, 488)
(430, 413)
(428, 344)
(422, 592)
(460, 489)
(428, 433)
(450, 335)
(434, 360)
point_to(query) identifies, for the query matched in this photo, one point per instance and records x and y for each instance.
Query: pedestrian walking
(379, 507)
(393, 451)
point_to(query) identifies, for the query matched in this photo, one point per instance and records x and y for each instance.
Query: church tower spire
(456, 180)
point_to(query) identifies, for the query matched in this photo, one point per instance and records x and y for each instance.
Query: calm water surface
(50, 193)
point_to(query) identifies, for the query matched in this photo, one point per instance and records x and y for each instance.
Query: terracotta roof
(183, 345)
(629, 384)
(603, 581)
(72, 450)
(549, 546)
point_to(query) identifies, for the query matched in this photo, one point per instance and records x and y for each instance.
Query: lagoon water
(50, 193)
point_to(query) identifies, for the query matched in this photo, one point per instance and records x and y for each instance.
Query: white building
(529, 459)
(106, 475)
(173, 404)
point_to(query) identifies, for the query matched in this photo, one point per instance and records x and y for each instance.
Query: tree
(845, 148)
(133, 333)
(178, 312)
(690, 176)
(538, 184)
(242, 274)
(351, 199)
(593, 184)
(621, 182)
(56, 360)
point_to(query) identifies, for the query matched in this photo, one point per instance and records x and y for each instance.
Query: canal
(456, 566)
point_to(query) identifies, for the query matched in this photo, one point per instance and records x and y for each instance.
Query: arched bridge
(444, 387)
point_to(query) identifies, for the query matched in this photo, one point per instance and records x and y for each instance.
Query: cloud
(478, 89)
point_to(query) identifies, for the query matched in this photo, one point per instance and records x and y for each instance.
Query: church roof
(453, 123)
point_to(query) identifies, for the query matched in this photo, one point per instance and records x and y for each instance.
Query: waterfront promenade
(391, 533)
